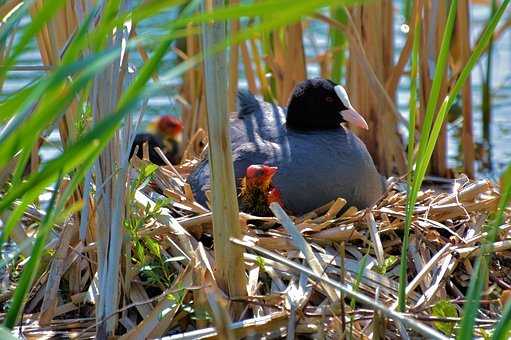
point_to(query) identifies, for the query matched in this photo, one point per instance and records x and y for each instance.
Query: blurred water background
(316, 40)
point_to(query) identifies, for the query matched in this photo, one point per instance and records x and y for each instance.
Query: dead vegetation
(301, 271)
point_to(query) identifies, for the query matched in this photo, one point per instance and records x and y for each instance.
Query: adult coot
(164, 132)
(318, 158)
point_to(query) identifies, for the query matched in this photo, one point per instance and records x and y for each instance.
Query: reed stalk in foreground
(229, 263)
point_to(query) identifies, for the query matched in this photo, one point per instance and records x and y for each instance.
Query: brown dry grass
(446, 234)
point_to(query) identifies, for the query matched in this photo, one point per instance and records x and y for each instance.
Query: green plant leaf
(388, 262)
(153, 246)
(31, 268)
(442, 309)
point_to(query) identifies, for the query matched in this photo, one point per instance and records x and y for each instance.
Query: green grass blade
(269, 8)
(411, 147)
(486, 104)
(356, 285)
(478, 280)
(21, 165)
(25, 127)
(412, 104)
(428, 120)
(503, 329)
(30, 269)
(465, 73)
(438, 79)
(90, 144)
(131, 94)
(8, 26)
(44, 14)
(426, 152)
(407, 9)
(18, 101)
(472, 299)
(15, 217)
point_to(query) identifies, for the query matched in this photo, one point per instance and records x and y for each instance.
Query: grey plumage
(314, 167)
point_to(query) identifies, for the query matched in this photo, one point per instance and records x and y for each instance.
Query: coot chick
(164, 132)
(257, 190)
(318, 158)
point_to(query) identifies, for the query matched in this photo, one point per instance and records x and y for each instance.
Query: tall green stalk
(426, 128)
(503, 327)
(429, 136)
(486, 99)
(407, 9)
(412, 104)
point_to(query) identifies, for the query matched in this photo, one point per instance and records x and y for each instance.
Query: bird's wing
(247, 104)
(256, 118)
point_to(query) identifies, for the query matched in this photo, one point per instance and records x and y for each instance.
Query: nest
(302, 271)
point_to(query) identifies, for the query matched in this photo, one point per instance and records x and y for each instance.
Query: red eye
(329, 99)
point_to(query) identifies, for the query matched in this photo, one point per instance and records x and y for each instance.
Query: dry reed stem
(229, 266)
(259, 69)
(397, 71)
(249, 72)
(287, 60)
(49, 305)
(437, 255)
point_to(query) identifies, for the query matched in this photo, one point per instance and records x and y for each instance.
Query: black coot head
(320, 104)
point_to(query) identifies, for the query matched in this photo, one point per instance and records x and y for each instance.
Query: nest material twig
(446, 235)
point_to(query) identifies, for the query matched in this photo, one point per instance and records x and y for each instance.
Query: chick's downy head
(167, 126)
(257, 190)
(260, 175)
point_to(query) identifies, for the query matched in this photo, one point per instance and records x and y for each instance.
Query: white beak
(354, 118)
(350, 115)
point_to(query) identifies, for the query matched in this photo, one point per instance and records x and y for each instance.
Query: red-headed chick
(257, 190)
(163, 132)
